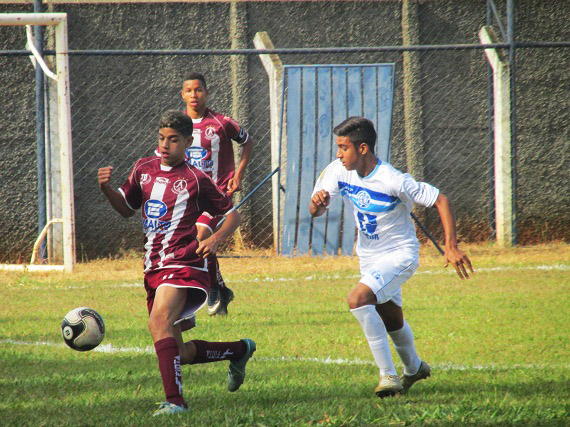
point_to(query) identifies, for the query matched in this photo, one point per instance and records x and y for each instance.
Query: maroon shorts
(209, 221)
(196, 281)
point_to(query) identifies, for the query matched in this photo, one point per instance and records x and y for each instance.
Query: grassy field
(498, 345)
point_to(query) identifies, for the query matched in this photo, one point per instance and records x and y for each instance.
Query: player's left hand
(234, 184)
(459, 260)
(207, 247)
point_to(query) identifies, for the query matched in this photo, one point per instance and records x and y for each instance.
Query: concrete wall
(117, 101)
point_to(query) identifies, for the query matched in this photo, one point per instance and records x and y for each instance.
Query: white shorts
(386, 274)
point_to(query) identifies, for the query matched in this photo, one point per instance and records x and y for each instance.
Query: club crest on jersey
(179, 186)
(145, 178)
(154, 208)
(363, 199)
(377, 274)
(210, 132)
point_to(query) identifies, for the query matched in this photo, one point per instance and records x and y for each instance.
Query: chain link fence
(441, 129)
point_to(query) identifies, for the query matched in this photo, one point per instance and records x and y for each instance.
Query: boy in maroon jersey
(212, 152)
(172, 195)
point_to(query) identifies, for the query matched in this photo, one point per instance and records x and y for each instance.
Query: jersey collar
(371, 174)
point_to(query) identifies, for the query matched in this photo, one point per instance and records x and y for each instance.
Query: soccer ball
(83, 329)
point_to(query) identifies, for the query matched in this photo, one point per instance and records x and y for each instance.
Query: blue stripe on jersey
(368, 200)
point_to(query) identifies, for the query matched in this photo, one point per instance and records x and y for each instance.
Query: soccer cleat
(409, 380)
(389, 385)
(214, 300)
(220, 307)
(167, 408)
(236, 372)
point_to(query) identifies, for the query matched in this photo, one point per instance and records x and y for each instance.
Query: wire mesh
(440, 127)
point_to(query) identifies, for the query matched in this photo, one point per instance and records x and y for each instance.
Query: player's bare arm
(115, 198)
(210, 245)
(452, 253)
(203, 232)
(319, 203)
(234, 183)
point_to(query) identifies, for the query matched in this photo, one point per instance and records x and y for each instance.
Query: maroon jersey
(172, 199)
(212, 150)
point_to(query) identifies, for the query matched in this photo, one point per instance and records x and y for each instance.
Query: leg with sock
(415, 369)
(237, 352)
(169, 365)
(207, 352)
(377, 338)
(403, 340)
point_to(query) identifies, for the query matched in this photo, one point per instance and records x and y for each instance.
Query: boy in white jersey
(172, 194)
(382, 199)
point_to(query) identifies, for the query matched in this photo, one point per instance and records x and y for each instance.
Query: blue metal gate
(316, 98)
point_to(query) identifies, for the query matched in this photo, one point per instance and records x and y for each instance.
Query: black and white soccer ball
(83, 329)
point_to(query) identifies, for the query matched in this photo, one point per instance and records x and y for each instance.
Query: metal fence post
(512, 66)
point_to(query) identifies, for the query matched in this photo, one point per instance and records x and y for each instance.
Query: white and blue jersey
(382, 203)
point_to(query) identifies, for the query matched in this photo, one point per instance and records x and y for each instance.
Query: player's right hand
(104, 176)
(321, 198)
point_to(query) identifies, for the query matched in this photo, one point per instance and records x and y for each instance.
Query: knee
(157, 324)
(358, 298)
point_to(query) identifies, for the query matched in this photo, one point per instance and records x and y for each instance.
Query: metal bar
(295, 51)
(491, 5)
(512, 65)
(9, 19)
(257, 187)
(236, 207)
(278, 249)
(40, 131)
(426, 232)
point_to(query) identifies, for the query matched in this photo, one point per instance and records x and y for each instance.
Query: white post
(53, 181)
(274, 68)
(502, 138)
(66, 152)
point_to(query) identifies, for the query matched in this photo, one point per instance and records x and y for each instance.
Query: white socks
(377, 337)
(403, 340)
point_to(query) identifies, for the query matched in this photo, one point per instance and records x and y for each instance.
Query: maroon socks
(207, 352)
(169, 365)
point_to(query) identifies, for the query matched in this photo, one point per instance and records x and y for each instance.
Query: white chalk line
(270, 279)
(110, 349)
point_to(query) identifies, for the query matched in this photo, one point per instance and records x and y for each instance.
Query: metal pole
(40, 130)
(427, 233)
(491, 134)
(512, 65)
(278, 250)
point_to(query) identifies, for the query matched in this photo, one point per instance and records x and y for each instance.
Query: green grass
(498, 344)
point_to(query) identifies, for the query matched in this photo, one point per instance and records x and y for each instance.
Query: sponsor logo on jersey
(210, 132)
(155, 226)
(196, 156)
(179, 186)
(154, 208)
(161, 180)
(367, 224)
(196, 153)
(145, 178)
